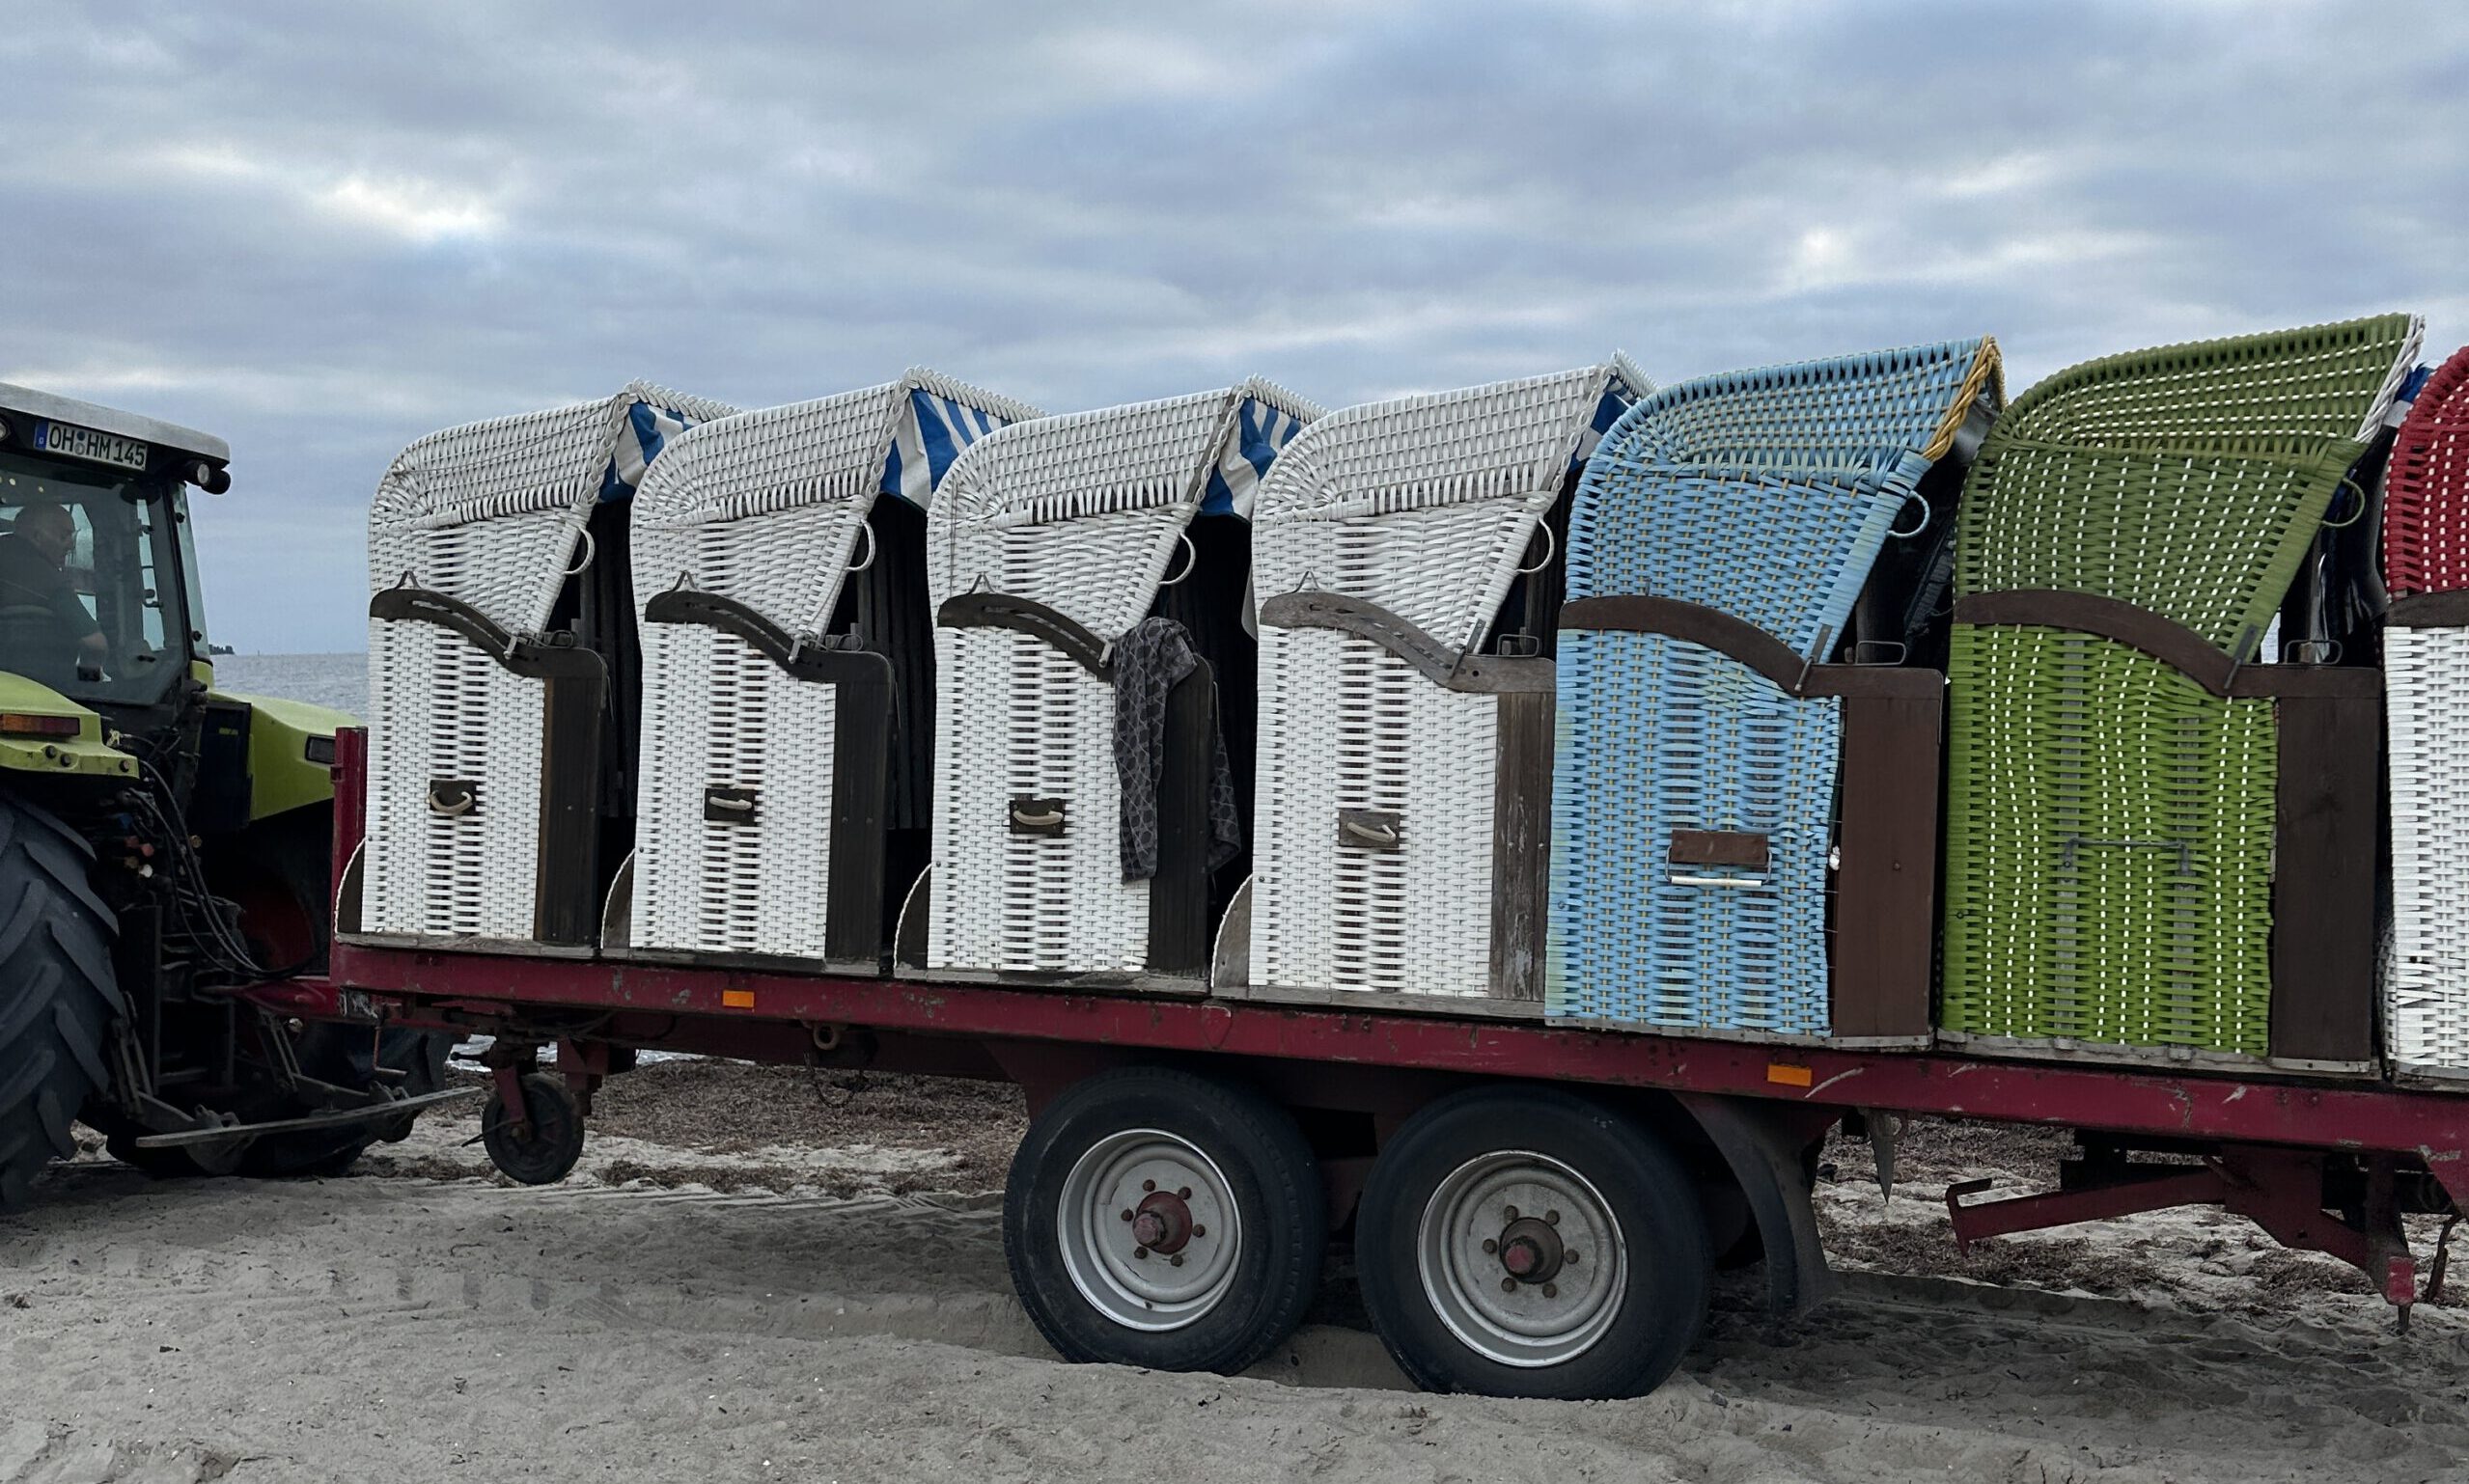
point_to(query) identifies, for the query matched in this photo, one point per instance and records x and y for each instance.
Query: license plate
(71, 441)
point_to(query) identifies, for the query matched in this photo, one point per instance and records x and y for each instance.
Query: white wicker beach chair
(764, 816)
(1404, 773)
(1047, 543)
(487, 730)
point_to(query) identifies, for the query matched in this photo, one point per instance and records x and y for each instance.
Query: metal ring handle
(1552, 549)
(1037, 821)
(1190, 551)
(2355, 516)
(460, 806)
(591, 549)
(1927, 516)
(868, 528)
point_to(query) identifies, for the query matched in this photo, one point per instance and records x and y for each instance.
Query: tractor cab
(97, 588)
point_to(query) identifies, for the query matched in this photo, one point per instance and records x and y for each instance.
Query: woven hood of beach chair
(489, 513)
(2425, 506)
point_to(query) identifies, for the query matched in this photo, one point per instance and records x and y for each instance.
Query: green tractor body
(165, 848)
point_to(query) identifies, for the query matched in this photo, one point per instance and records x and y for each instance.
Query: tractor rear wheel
(57, 995)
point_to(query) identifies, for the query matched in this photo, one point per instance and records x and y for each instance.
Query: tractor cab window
(90, 593)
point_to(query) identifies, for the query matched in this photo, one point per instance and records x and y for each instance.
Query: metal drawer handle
(1377, 834)
(1041, 821)
(460, 799)
(1718, 881)
(733, 806)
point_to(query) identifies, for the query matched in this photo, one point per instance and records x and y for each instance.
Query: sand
(752, 1278)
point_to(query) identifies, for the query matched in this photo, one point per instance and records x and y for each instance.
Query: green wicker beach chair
(2124, 780)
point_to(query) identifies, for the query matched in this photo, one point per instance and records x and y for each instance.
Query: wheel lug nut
(1140, 1251)
(1489, 1246)
(1126, 1213)
(1176, 1259)
(1552, 1218)
(1148, 1185)
(1185, 1193)
(1569, 1257)
(1199, 1231)
(1509, 1285)
(1551, 1290)
(1512, 1212)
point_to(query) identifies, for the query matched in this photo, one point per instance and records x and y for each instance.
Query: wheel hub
(1162, 1223)
(1530, 1250)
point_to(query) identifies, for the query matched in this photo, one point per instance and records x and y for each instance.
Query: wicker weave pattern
(2427, 983)
(2087, 767)
(2110, 824)
(1084, 514)
(2425, 510)
(1425, 505)
(767, 508)
(490, 513)
(1766, 494)
(1354, 727)
(449, 711)
(1629, 943)
(1017, 718)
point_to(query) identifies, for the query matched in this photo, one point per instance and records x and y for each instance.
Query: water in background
(336, 680)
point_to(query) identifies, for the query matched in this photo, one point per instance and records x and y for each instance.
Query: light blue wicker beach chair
(1718, 545)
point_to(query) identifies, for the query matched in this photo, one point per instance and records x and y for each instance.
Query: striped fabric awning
(931, 434)
(646, 431)
(1261, 430)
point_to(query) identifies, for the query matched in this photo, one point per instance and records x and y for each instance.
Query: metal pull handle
(1040, 821)
(451, 800)
(733, 806)
(2184, 851)
(1717, 881)
(1369, 829)
(1377, 834)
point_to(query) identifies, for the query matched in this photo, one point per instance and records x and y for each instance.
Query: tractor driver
(33, 559)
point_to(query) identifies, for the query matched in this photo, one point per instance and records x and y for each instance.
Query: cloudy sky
(321, 230)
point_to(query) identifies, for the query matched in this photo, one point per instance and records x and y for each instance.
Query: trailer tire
(546, 1151)
(1159, 1218)
(58, 996)
(1596, 1295)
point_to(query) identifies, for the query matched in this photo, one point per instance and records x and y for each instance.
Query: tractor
(165, 847)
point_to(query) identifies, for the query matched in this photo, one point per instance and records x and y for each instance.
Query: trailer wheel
(1524, 1241)
(546, 1151)
(1159, 1218)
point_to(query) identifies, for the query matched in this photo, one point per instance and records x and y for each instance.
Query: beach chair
(1407, 570)
(779, 574)
(497, 566)
(1050, 544)
(1720, 780)
(2157, 846)
(2425, 671)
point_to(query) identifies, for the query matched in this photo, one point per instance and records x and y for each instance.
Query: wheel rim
(1522, 1260)
(1149, 1230)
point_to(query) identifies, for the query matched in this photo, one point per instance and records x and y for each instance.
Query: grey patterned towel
(1147, 663)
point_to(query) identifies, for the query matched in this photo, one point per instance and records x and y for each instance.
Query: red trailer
(1534, 1211)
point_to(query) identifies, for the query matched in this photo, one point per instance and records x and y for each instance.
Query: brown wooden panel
(1025, 616)
(2430, 611)
(1521, 852)
(1721, 847)
(1697, 623)
(1440, 663)
(566, 887)
(1886, 892)
(1179, 939)
(2323, 956)
(861, 784)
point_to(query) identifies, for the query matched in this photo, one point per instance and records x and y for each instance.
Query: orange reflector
(744, 1000)
(17, 724)
(1788, 1075)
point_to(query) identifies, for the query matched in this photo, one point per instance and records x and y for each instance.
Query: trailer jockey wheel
(540, 1147)
(1159, 1218)
(1524, 1241)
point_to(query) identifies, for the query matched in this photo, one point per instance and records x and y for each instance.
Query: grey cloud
(324, 230)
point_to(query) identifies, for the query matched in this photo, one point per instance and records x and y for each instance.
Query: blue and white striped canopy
(647, 431)
(1627, 385)
(1261, 430)
(932, 435)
